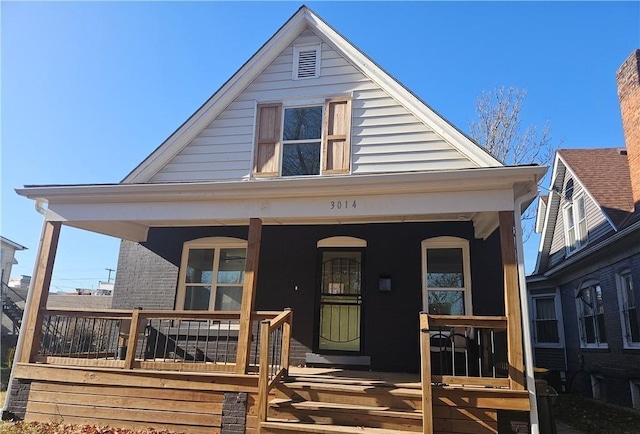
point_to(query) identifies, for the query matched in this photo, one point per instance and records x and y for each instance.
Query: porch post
(32, 326)
(248, 295)
(425, 374)
(512, 300)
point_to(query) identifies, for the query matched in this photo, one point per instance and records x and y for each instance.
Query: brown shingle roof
(605, 174)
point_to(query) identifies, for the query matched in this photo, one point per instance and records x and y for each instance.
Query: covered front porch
(466, 344)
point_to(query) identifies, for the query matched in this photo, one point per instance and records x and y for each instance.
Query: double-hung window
(303, 140)
(628, 310)
(590, 307)
(212, 274)
(447, 276)
(575, 224)
(545, 320)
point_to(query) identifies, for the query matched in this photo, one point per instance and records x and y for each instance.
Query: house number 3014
(343, 204)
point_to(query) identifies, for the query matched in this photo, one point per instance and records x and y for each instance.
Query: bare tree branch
(499, 130)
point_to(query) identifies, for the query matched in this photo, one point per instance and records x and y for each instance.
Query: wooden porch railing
(464, 351)
(275, 340)
(147, 339)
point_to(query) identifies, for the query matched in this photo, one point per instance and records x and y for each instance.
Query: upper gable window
(575, 224)
(306, 61)
(303, 140)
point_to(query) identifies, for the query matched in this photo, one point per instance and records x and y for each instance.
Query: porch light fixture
(384, 283)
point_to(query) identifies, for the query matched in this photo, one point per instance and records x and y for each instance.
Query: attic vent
(306, 61)
(623, 152)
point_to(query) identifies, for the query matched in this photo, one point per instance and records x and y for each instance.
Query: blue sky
(88, 90)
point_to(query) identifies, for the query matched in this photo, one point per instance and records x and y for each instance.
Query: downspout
(16, 356)
(524, 306)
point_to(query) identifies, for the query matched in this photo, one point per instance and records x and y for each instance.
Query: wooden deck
(309, 400)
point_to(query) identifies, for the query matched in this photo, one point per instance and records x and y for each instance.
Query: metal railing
(465, 349)
(275, 342)
(146, 339)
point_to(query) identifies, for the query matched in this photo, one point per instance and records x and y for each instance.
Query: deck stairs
(13, 312)
(345, 402)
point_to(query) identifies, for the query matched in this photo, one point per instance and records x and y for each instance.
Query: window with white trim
(446, 276)
(545, 320)
(212, 274)
(628, 310)
(575, 224)
(303, 140)
(590, 308)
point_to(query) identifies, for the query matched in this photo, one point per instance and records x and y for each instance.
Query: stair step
(355, 381)
(346, 408)
(409, 392)
(299, 427)
(346, 414)
(373, 396)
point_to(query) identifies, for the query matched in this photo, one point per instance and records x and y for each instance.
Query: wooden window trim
(216, 243)
(277, 143)
(327, 138)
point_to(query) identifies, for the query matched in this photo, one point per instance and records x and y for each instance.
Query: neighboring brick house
(585, 290)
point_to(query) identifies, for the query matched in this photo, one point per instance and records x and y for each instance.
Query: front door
(340, 304)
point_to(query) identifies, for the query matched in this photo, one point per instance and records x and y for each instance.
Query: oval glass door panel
(340, 301)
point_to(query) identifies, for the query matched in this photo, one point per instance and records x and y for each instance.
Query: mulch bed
(593, 416)
(66, 428)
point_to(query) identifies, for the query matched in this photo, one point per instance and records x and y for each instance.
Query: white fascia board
(218, 101)
(377, 184)
(545, 225)
(13, 244)
(586, 190)
(396, 90)
(335, 207)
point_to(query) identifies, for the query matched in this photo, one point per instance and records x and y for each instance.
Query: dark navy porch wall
(287, 278)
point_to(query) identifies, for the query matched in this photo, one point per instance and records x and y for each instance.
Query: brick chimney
(628, 77)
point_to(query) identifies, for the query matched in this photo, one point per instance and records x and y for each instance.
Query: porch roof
(129, 210)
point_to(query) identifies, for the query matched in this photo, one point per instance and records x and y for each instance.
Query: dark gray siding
(615, 364)
(287, 278)
(144, 279)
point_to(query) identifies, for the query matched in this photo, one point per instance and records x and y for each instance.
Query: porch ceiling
(129, 210)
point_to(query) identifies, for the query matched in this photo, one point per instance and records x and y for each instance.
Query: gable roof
(605, 174)
(302, 19)
(12, 243)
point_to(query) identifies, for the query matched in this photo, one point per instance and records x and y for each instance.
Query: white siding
(386, 137)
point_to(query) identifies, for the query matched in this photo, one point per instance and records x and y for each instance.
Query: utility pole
(110, 270)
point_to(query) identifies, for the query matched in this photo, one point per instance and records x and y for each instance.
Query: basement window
(306, 61)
